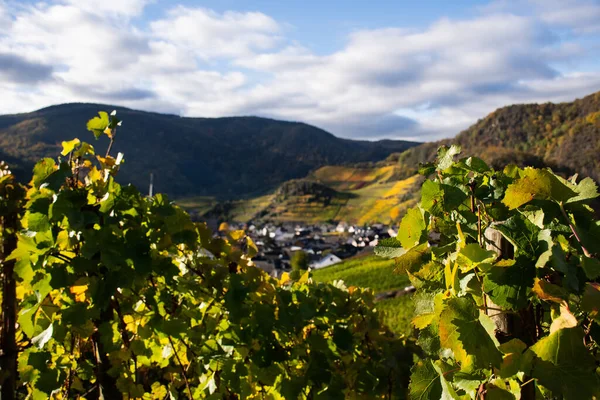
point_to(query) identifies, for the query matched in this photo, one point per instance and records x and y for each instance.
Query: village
(325, 244)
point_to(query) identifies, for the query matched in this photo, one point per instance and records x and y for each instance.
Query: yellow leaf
(285, 278)
(68, 146)
(106, 161)
(304, 278)
(549, 292)
(130, 323)
(237, 235)
(79, 289)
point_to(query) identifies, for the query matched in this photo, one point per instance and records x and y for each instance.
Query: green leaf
(508, 285)
(586, 190)
(424, 382)
(389, 248)
(445, 156)
(474, 164)
(546, 244)
(98, 124)
(461, 331)
(591, 267)
(590, 302)
(42, 170)
(413, 228)
(438, 198)
(68, 146)
(565, 366)
(427, 308)
(426, 169)
(516, 359)
(414, 258)
(448, 392)
(536, 184)
(472, 256)
(522, 234)
(37, 222)
(493, 392)
(432, 197)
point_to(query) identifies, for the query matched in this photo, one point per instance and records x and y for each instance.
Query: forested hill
(223, 157)
(565, 137)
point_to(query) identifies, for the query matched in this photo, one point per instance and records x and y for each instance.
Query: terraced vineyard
(377, 274)
(358, 195)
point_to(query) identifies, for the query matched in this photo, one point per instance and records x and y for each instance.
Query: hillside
(358, 195)
(219, 157)
(565, 137)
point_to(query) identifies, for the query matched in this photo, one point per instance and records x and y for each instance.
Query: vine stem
(187, 383)
(113, 133)
(564, 213)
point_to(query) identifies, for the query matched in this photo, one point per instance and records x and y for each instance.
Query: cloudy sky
(365, 69)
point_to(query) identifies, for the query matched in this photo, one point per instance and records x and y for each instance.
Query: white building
(326, 261)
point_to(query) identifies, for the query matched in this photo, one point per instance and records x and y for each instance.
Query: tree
(299, 263)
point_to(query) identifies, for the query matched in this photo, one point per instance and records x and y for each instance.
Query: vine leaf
(68, 146)
(43, 338)
(414, 259)
(591, 267)
(438, 198)
(412, 228)
(516, 359)
(536, 184)
(549, 292)
(448, 392)
(98, 124)
(565, 320)
(389, 248)
(424, 382)
(462, 332)
(565, 366)
(586, 190)
(508, 285)
(473, 256)
(445, 156)
(590, 301)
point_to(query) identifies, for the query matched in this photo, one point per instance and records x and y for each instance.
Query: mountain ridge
(228, 157)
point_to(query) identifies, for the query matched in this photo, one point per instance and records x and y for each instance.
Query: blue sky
(360, 69)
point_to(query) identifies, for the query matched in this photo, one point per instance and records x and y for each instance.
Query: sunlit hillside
(358, 195)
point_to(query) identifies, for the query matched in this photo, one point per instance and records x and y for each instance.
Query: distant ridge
(229, 157)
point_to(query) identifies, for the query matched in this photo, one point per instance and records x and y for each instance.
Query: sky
(377, 69)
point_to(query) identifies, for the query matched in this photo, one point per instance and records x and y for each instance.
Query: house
(326, 261)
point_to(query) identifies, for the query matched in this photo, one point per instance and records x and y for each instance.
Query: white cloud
(580, 15)
(209, 34)
(389, 82)
(110, 8)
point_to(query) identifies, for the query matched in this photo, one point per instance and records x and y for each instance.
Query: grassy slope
(376, 274)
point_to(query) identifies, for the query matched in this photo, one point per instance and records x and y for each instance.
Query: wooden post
(8, 359)
(496, 242)
(509, 324)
